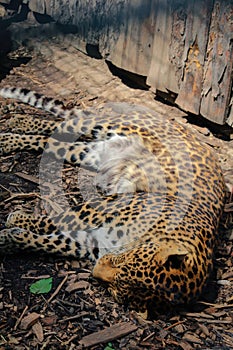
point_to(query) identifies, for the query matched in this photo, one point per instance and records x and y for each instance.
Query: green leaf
(42, 286)
(109, 347)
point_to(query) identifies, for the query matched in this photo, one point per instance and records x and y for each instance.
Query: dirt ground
(78, 312)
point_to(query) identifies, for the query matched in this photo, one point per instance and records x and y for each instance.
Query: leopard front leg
(15, 238)
(25, 231)
(10, 142)
(7, 239)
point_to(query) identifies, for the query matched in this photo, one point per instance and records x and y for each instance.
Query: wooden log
(108, 334)
(217, 78)
(181, 47)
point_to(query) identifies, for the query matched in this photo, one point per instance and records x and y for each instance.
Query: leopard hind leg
(10, 142)
(29, 124)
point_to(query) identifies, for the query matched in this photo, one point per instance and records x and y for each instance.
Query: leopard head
(158, 272)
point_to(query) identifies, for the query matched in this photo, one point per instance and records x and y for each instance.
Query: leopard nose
(104, 271)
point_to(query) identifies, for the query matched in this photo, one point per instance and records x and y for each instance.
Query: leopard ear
(172, 251)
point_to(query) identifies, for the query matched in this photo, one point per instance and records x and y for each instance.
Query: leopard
(151, 230)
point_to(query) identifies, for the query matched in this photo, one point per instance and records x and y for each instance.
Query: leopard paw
(16, 219)
(7, 241)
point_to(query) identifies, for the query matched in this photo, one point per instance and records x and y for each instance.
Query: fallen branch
(71, 318)
(20, 317)
(28, 177)
(22, 196)
(108, 334)
(56, 292)
(217, 306)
